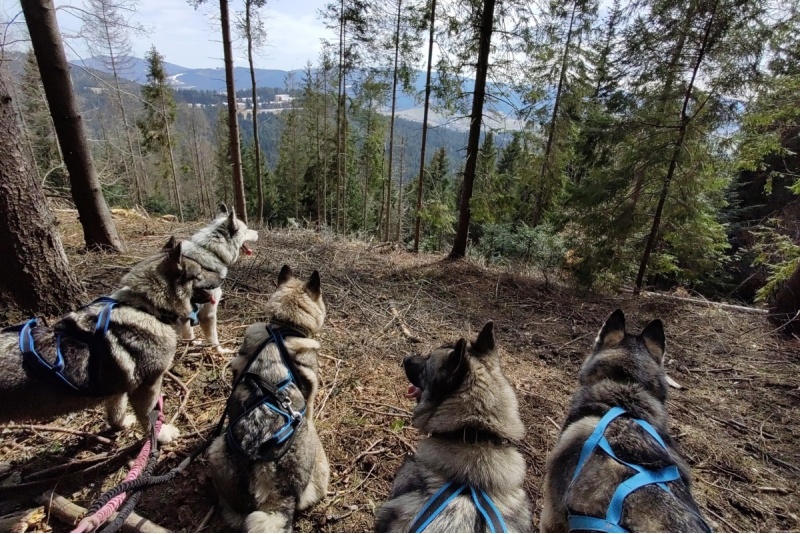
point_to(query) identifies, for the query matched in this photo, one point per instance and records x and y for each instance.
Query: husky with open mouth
(216, 247)
(467, 475)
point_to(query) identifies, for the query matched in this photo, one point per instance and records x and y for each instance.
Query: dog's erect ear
(655, 340)
(285, 275)
(485, 342)
(173, 258)
(171, 244)
(313, 285)
(232, 221)
(456, 363)
(613, 331)
(222, 209)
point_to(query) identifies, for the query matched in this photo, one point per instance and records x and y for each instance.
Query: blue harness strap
(54, 372)
(643, 477)
(446, 494)
(275, 397)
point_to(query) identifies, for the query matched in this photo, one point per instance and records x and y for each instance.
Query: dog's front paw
(127, 421)
(168, 434)
(222, 350)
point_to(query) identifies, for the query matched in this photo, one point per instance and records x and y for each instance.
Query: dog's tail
(266, 522)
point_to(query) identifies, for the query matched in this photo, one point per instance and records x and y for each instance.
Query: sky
(191, 38)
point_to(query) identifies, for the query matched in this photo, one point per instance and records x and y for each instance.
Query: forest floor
(734, 419)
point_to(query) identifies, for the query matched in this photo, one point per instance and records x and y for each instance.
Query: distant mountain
(213, 79)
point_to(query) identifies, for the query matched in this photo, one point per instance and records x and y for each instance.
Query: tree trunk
(340, 141)
(134, 166)
(36, 270)
(417, 223)
(400, 187)
(391, 122)
(676, 152)
(473, 140)
(99, 231)
(366, 165)
(256, 146)
(174, 171)
(233, 119)
(785, 308)
(205, 206)
(539, 206)
(325, 152)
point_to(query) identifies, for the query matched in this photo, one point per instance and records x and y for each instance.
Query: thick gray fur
(136, 352)
(463, 388)
(258, 495)
(216, 247)
(627, 371)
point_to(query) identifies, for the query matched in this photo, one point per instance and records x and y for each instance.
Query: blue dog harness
(483, 503)
(54, 372)
(273, 396)
(643, 477)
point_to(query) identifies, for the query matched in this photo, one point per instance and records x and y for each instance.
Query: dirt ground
(734, 418)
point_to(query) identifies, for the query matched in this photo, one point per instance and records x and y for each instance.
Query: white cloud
(191, 38)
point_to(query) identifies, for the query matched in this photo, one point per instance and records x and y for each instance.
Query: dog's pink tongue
(413, 392)
(246, 250)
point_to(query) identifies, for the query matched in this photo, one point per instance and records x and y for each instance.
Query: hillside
(213, 79)
(734, 420)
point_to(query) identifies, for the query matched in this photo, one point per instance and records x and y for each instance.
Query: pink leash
(93, 522)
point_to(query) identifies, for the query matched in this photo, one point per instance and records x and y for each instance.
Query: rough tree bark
(35, 267)
(99, 231)
(233, 119)
(476, 119)
(424, 126)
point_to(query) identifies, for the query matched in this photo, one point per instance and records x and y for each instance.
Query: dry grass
(735, 419)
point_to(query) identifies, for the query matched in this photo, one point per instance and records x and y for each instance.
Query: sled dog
(216, 247)
(467, 475)
(270, 462)
(615, 465)
(117, 348)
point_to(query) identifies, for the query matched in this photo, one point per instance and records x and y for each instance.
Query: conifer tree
(160, 111)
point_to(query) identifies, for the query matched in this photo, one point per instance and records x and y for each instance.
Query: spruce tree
(156, 126)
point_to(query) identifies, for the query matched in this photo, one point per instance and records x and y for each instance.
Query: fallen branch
(69, 512)
(701, 302)
(400, 323)
(25, 490)
(775, 460)
(78, 465)
(185, 390)
(47, 428)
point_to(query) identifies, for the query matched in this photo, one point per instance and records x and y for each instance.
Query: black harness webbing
(147, 479)
(275, 397)
(54, 372)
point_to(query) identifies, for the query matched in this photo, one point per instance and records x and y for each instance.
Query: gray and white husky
(106, 354)
(270, 463)
(469, 415)
(620, 405)
(216, 247)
